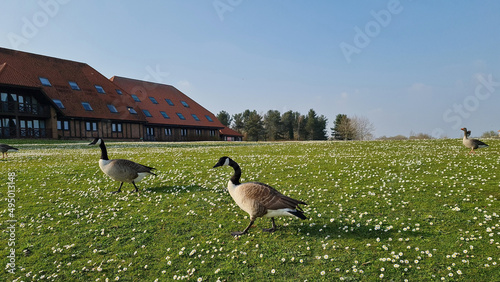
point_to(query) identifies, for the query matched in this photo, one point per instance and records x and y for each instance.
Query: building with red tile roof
(46, 97)
(170, 114)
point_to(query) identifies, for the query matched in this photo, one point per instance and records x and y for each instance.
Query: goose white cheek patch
(226, 162)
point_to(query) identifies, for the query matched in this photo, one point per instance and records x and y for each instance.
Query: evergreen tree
(225, 118)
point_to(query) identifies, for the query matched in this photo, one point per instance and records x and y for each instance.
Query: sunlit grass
(392, 210)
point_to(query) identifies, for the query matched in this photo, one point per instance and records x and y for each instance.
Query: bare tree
(362, 128)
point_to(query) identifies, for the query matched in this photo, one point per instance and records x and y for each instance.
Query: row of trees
(276, 126)
(294, 126)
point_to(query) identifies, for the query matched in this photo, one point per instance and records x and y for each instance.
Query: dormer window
(209, 118)
(58, 103)
(135, 98)
(147, 113)
(45, 81)
(185, 104)
(169, 102)
(153, 100)
(195, 117)
(164, 114)
(119, 92)
(87, 106)
(131, 110)
(73, 85)
(112, 108)
(99, 89)
(181, 116)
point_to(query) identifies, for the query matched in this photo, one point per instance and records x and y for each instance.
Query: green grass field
(391, 210)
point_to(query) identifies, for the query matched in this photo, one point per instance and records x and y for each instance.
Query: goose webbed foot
(119, 189)
(136, 189)
(238, 233)
(272, 229)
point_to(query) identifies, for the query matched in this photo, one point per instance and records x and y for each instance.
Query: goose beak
(217, 165)
(94, 142)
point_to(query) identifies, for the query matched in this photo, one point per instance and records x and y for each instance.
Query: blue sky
(406, 66)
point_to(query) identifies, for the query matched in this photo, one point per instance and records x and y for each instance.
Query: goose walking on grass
(4, 148)
(121, 170)
(472, 143)
(259, 199)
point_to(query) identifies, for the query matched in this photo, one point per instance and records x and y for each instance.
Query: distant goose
(119, 169)
(4, 148)
(259, 199)
(472, 143)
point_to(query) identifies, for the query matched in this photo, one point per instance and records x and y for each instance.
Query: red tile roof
(160, 92)
(24, 69)
(229, 132)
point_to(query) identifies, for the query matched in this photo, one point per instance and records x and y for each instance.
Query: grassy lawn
(391, 210)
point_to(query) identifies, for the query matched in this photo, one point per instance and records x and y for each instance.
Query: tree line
(291, 125)
(273, 125)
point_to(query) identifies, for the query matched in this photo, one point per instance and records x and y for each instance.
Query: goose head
(97, 141)
(222, 162)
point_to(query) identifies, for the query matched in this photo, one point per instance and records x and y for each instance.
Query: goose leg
(270, 229)
(136, 189)
(237, 233)
(119, 189)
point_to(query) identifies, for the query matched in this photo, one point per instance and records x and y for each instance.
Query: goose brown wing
(269, 197)
(132, 166)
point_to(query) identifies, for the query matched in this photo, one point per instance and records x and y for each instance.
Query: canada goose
(4, 148)
(119, 169)
(259, 199)
(472, 143)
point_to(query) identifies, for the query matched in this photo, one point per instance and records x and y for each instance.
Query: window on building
(63, 125)
(198, 132)
(147, 113)
(135, 98)
(119, 92)
(153, 100)
(195, 117)
(116, 127)
(91, 126)
(209, 118)
(150, 131)
(112, 108)
(99, 89)
(168, 131)
(58, 103)
(74, 85)
(164, 114)
(212, 133)
(184, 132)
(45, 81)
(131, 110)
(185, 104)
(169, 102)
(181, 116)
(87, 106)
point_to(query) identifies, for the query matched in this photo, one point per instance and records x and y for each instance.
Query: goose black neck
(235, 179)
(104, 152)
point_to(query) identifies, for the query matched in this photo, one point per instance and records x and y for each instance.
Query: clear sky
(407, 66)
